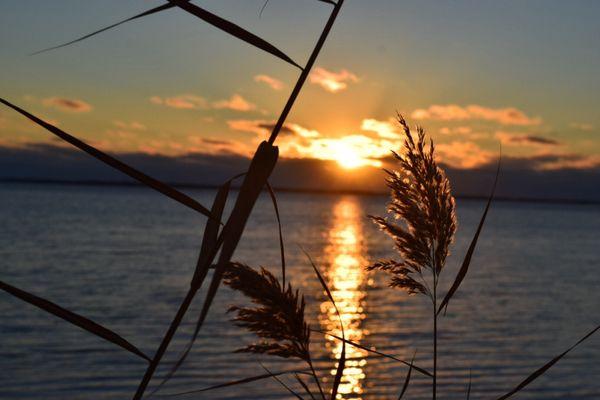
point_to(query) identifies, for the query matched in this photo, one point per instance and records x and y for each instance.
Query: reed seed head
(278, 318)
(422, 201)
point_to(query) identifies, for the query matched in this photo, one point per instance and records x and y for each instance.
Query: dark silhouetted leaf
(211, 232)
(304, 386)
(360, 346)
(469, 387)
(305, 72)
(145, 13)
(233, 29)
(208, 250)
(256, 178)
(407, 380)
(540, 371)
(281, 247)
(76, 319)
(261, 166)
(342, 362)
(236, 382)
(113, 162)
(467, 261)
(282, 383)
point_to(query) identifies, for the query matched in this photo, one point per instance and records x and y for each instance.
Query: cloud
(553, 161)
(193, 102)
(332, 81)
(582, 126)
(133, 125)
(458, 130)
(464, 155)
(262, 128)
(273, 83)
(385, 129)
(67, 105)
(201, 145)
(236, 103)
(453, 112)
(525, 140)
(183, 102)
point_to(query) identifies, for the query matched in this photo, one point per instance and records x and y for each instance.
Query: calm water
(124, 257)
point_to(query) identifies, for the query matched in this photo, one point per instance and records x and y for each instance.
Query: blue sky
(171, 84)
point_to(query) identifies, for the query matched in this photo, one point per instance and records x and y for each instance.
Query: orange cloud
(67, 105)
(262, 128)
(385, 129)
(273, 83)
(463, 154)
(215, 146)
(236, 103)
(332, 81)
(183, 102)
(453, 112)
(193, 102)
(133, 125)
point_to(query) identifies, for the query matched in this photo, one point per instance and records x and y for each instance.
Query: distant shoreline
(292, 190)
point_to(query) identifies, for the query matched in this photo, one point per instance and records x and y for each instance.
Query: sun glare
(350, 152)
(348, 157)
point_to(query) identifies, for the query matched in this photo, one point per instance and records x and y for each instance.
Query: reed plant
(220, 237)
(423, 230)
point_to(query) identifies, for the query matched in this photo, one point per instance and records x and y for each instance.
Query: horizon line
(67, 182)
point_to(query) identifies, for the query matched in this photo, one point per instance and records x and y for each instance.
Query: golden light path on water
(347, 280)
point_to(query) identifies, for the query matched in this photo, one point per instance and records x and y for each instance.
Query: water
(124, 257)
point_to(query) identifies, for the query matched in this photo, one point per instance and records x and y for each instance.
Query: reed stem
(305, 72)
(434, 349)
(435, 320)
(316, 378)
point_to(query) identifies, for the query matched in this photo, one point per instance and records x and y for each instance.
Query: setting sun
(348, 157)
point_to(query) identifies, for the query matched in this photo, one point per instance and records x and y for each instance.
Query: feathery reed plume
(279, 318)
(423, 202)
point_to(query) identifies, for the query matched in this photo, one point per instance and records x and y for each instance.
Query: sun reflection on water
(347, 279)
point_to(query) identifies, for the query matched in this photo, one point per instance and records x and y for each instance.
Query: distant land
(519, 181)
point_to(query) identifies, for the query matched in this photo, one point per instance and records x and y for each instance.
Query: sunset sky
(473, 73)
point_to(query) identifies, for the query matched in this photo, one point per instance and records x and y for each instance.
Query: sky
(474, 74)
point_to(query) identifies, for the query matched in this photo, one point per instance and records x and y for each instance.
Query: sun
(348, 156)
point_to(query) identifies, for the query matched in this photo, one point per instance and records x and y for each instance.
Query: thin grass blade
(211, 233)
(282, 383)
(540, 371)
(232, 29)
(145, 13)
(407, 380)
(75, 319)
(113, 162)
(342, 362)
(360, 346)
(281, 246)
(211, 242)
(469, 387)
(304, 386)
(467, 260)
(235, 383)
(260, 169)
